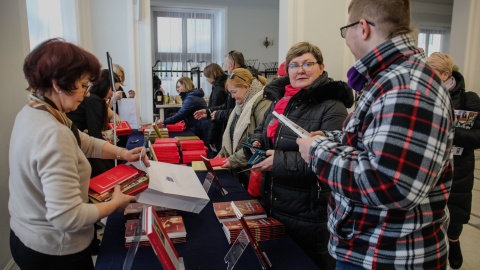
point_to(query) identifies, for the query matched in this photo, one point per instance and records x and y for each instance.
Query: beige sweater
(48, 183)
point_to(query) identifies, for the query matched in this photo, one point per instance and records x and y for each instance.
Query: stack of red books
(131, 180)
(166, 152)
(249, 208)
(192, 145)
(193, 155)
(166, 140)
(172, 224)
(122, 129)
(261, 228)
(177, 127)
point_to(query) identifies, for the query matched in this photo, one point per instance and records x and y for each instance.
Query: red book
(166, 140)
(215, 162)
(117, 175)
(122, 129)
(192, 145)
(249, 208)
(161, 243)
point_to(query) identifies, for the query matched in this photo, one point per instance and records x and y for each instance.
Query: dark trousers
(27, 258)
(454, 231)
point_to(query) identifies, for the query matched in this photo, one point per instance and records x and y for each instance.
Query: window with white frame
(184, 38)
(434, 39)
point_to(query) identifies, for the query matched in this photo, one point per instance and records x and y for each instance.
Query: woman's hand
(118, 121)
(212, 115)
(265, 165)
(226, 164)
(318, 132)
(135, 154)
(159, 123)
(200, 114)
(121, 200)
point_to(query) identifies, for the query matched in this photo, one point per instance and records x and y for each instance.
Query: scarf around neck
(280, 107)
(255, 87)
(45, 104)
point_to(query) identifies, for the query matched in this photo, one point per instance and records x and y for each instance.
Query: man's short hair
(237, 58)
(391, 17)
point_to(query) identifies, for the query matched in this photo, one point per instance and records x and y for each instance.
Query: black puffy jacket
(218, 97)
(460, 200)
(291, 192)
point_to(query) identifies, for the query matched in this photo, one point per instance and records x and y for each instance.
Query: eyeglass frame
(305, 66)
(232, 75)
(344, 28)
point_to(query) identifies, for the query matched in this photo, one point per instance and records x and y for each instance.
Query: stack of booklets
(177, 127)
(193, 155)
(131, 180)
(166, 140)
(173, 225)
(261, 228)
(166, 152)
(250, 209)
(122, 129)
(190, 145)
(215, 162)
(186, 138)
(133, 210)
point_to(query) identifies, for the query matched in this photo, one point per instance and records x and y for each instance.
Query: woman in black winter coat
(290, 191)
(192, 101)
(460, 201)
(217, 78)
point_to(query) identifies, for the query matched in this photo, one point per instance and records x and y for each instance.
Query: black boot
(455, 257)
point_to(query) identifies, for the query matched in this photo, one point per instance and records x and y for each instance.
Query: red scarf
(280, 108)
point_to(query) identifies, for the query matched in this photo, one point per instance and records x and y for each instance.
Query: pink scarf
(280, 108)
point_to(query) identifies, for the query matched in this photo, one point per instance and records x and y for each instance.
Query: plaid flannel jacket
(390, 169)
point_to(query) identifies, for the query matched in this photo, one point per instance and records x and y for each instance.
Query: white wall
(317, 21)
(14, 46)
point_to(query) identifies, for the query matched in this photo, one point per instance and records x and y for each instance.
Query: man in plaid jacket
(390, 169)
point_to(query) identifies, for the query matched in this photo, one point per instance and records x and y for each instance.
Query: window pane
(421, 41)
(169, 34)
(435, 43)
(199, 36)
(44, 20)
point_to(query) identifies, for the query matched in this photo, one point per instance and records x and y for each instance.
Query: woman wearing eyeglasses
(51, 221)
(248, 113)
(290, 192)
(467, 137)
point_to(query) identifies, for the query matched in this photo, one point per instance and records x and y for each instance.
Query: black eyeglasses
(343, 30)
(232, 75)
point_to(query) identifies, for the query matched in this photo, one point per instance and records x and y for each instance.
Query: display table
(161, 109)
(206, 244)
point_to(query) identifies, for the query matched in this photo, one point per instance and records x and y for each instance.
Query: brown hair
(213, 71)
(240, 76)
(391, 17)
(56, 59)
(302, 48)
(237, 58)
(187, 83)
(441, 62)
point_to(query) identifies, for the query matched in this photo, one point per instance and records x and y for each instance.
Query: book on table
(262, 229)
(249, 208)
(131, 180)
(122, 129)
(160, 241)
(173, 225)
(133, 210)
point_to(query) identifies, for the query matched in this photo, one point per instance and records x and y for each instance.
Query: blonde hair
(119, 70)
(187, 83)
(241, 76)
(441, 62)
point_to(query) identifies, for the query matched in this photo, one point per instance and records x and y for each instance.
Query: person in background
(192, 100)
(390, 169)
(460, 200)
(51, 221)
(248, 113)
(216, 77)
(117, 69)
(91, 117)
(131, 93)
(290, 191)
